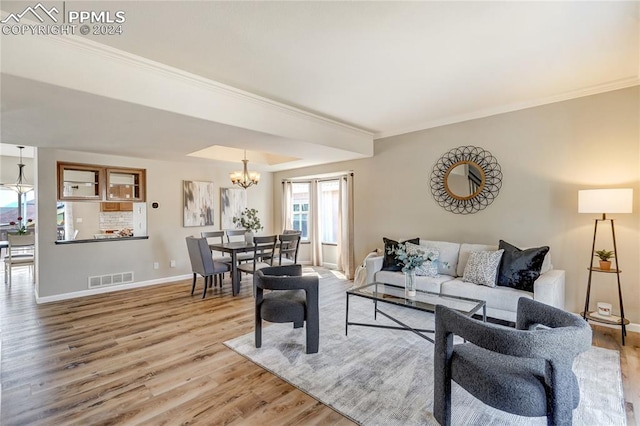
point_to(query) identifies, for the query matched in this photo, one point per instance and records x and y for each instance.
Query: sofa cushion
(448, 258)
(465, 251)
(431, 284)
(482, 267)
(429, 268)
(390, 263)
(546, 264)
(520, 268)
(503, 298)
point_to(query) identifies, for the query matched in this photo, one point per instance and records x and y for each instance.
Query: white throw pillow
(430, 267)
(482, 267)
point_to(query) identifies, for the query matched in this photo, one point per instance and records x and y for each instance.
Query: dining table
(233, 248)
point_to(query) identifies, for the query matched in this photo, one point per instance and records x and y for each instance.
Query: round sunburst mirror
(466, 180)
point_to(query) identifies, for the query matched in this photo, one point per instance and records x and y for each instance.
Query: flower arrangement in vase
(250, 221)
(410, 260)
(21, 226)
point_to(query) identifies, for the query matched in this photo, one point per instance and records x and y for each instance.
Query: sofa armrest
(373, 265)
(549, 288)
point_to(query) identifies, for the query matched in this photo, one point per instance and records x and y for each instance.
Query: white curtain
(346, 262)
(314, 224)
(287, 190)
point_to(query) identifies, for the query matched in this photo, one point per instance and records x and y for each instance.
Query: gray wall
(64, 269)
(546, 153)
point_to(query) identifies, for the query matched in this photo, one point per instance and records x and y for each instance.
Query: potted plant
(250, 221)
(605, 255)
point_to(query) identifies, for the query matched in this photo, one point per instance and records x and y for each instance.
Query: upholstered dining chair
(290, 297)
(288, 248)
(202, 263)
(20, 252)
(263, 253)
(525, 371)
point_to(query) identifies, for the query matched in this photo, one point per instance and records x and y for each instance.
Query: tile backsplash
(115, 220)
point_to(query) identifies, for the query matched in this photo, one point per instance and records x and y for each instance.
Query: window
(8, 205)
(300, 208)
(9, 200)
(328, 210)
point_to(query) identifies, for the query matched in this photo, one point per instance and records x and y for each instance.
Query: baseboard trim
(109, 289)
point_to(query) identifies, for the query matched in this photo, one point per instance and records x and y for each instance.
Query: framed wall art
(198, 203)
(232, 202)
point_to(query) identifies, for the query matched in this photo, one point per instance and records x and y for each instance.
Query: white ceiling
(384, 67)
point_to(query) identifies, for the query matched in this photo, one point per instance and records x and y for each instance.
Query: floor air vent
(111, 279)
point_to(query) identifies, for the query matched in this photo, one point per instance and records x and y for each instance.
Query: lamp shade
(619, 200)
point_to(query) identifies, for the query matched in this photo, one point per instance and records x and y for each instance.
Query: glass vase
(410, 283)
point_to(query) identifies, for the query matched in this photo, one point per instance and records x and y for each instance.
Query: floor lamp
(604, 201)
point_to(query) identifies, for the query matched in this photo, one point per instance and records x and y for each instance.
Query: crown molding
(594, 90)
(178, 74)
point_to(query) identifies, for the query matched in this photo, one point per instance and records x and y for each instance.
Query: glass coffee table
(422, 301)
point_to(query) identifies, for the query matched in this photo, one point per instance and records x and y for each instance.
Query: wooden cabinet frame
(114, 206)
(137, 187)
(103, 183)
(99, 181)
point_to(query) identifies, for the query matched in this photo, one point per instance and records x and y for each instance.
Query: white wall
(546, 153)
(63, 269)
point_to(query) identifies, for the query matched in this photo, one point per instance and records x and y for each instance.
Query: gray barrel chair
(525, 371)
(290, 297)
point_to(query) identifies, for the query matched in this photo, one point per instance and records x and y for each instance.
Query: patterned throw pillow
(430, 267)
(482, 267)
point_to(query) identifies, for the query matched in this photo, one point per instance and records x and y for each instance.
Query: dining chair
(20, 252)
(238, 235)
(202, 263)
(288, 248)
(216, 236)
(263, 254)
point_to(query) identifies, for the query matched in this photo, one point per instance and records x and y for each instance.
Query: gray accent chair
(525, 371)
(202, 263)
(291, 297)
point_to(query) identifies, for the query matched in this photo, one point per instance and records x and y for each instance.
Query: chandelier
(244, 178)
(21, 186)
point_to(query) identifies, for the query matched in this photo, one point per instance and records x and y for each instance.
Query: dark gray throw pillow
(389, 263)
(520, 268)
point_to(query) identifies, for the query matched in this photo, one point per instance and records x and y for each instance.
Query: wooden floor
(155, 355)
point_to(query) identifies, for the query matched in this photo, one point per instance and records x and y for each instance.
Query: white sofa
(501, 301)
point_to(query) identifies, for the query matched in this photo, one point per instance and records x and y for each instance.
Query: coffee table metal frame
(421, 302)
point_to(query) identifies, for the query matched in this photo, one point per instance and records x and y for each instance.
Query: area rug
(385, 377)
